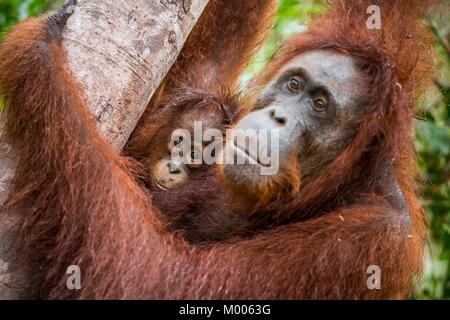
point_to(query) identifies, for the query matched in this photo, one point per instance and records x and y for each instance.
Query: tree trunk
(119, 51)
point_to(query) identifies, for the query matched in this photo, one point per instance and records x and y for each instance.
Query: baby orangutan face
(174, 156)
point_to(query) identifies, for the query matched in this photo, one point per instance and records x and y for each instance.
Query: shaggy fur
(81, 204)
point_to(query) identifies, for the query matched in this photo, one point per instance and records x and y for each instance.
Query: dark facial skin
(164, 171)
(316, 103)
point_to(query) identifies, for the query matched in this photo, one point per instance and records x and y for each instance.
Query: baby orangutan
(171, 156)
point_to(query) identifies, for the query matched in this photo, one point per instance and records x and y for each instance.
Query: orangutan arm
(227, 35)
(323, 258)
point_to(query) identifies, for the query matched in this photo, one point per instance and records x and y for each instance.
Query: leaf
(434, 138)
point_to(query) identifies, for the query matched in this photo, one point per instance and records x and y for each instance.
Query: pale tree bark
(119, 51)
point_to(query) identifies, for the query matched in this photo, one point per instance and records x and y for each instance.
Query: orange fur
(81, 204)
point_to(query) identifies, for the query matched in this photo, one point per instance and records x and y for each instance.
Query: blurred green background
(432, 134)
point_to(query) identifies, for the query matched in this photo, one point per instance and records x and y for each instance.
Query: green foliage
(292, 16)
(12, 11)
(432, 134)
(433, 145)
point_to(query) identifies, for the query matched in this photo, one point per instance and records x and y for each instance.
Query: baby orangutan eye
(195, 159)
(177, 139)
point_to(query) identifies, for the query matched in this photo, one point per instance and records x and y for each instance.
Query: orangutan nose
(174, 167)
(279, 116)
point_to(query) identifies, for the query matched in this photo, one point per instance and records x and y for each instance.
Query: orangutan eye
(195, 159)
(295, 84)
(177, 141)
(176, 144)
(320, 104)
(195, 156)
